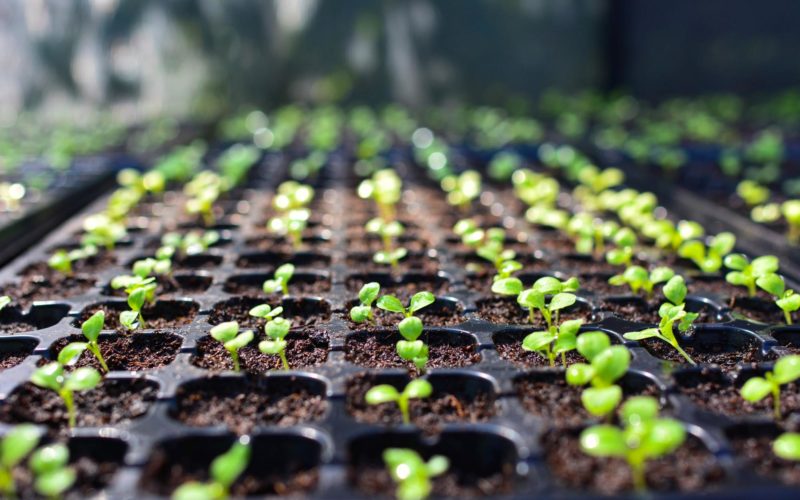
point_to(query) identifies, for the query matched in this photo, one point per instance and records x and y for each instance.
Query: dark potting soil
(49, 285)
(304, 350)
(506, 310)
(113, 402)
(92, 476)
(10, 359)
(430, 316)
(301, 312)
(404, 290)
(458, 403)
(756, 449)
(375, 480)
(297, 288)
(509, 347)
(707, 354)
(599, 285)
(312, 242)
(12, 327)
(760, 310)
(721, 396)
(377, 350)
(165, 314)
(690, 468)
(128, 352)
(242, 404)
(416, 263)
(639, 311)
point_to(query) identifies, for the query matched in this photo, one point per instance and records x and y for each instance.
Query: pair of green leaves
(410, 348)
(746, 273)
(48, 464)
(786, 370)
(280, 280)
(536, 298)
(412, 473)
(384, 393)
(644, 437)
(670, 314)
(638, 279)
(191, 243)
(708, 259)
(607, 364)
(625, 240)
(786, 299)
(224, 471)
(366, 296)
(62, 260)
(91, 329)
(232, 340)
(140, 291)
(277, 329)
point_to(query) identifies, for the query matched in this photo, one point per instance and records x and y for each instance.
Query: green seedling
(766, 214)
(149, 267)
(5, 300)
(232, 340)
(385, 188)
(625, 240)
(102, 230)
(786, 299)
(291, 202)
(366, 296)
(638, 279)
(787, 446)
(644, 437)
(791, 212)
(745, 273)
(475, 237)
(554, 341)
(667, 235)
(785, 371)
(669, 314)
(18, 442)
(535, 189)
(548, 295)
(140, 291)
(462, 189)
(276, 329)
(708, 259)
(62, 260)
(280, 280)
(607, 364)
(412, 474)
(52, 475)
(752, 192)
(410, 348)
(384, 393)
(590, 233)
(91, 329)
(224, 471)
(54, 377)
(236, 162)
(191, 243)
(502, 259)
(388, 232)
(203, 191)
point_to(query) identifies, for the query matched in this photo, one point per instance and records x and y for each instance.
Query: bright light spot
(403, 471)
(437, 160)
(263, 138)
(422, 138)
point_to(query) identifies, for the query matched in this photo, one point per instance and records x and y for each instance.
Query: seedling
(145, 268)
(590, 233)
(745, 273)
(787, 446)
(554, 341)
(232, 340)
(669, 314)
(786, 299)
(192, 243)
(385, 188)
(785, 371)
(52, 475)
(462, 189)
(91, 329)
(14, 447)
(140, 292)
(53, 376)
(102, 230)
(291, 202)
(638, 279)
(411, 348)
(473, 236)
(388, 232)
(607, 365)
(203, 191)
(62, 260)
(236, 162)
(625, 240)
(708, 259)
(384, 393)
(561, 295)
(276, 329)
(280, 280)
(502, 260)
(224, 471)
(412, 474)
(644, 437)
(791, 212)
(366, 296)
(752, 192)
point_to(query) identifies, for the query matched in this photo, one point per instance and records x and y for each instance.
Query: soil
(307, 285)
(459, 401)
(377, 350)
(243, 404)
(165, 314)
(691, 468)
(506, 310)
(707, 354)
(271, 260)
(375, 480)
(599, 285)
(410, 285)
(312, 241)
(12, 327)
(574, 266)
(760, 310)
(414, 263)
(113, 402)
(49, 285)
(756, 448)
(509, 347)
(302, 312)
(11, 358)
(717, 394)
(131, 352)
(639, 311)
(303, 350)
(433, 315)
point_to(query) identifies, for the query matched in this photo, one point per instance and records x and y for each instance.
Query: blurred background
(140, 58)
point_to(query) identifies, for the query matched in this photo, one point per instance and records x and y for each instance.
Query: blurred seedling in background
(224, 471)
(412, 473)
(785, 371)
(280, 280)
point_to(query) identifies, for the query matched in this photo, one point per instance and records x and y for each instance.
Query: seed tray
(511, 450)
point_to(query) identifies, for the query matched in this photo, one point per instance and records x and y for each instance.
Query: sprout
(745, 273)
(232, 340)
(638, 279)
(502, 260)
(291, 202)
(787, 446)
(276, 329)
(14, 447)
(791, 212)
(224, 471)
(607, 365)
(385, 188)
(236, 162)
(462, 189)
(91, 329)
(591, 233)
(669, 314)
(536, 298)
(752, 192)
(52, 475)
(387, 231)
(785, 371)
(669, 236)
(53, 376)
(101, 230)
(61, 260)
(786, 299)
(140, 291)
(411, 348)
(203, 191)
(280, 280)
(554, 341)
(503, 165)
(366, 296)
(411, 473)
(416, 389)
(708, 259)
(192, 243)
(145, 268)
(625, 240)
(644, 437)
(475, 237)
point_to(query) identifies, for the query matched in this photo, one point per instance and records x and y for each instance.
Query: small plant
(14, 447)
(625, 240)
(752, 193)
(708, 259)
(102, 230)
(291, 202)
(385, 188)
(54, 377)
(554, 341)
(53, 476)
(644, 437)
(224, 471)
(366, 296)
(388, 232)
(561, 295)
(62, 260)
(785, 371)
(411, 348)
(791, 212)
(280, 280)
(412, 474)
(590, 233)
(277, 329)
(232, 340)
(746, 273)
(191, 243)
(140, 291)
(786, 299)
(462, 189)
(202, 192)
(91, 329)
(787, 446)
(607, 364)
(384, 393)
(638, 279)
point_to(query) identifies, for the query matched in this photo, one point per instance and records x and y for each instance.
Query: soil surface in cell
(504, 310)
(377, 350)
(304, 349)
(162, 315)
(131, 352)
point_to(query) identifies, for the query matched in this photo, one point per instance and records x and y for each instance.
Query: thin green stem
(751, 288)
(776, 401)
(70, 404)
(235, 358)
(284, 360)
(402, 403)
(95, 349)
(7, 487)
(788, 316)
(683, 353)
(638, 476)
(142, 323)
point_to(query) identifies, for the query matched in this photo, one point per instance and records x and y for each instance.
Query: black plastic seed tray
(332, 454)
